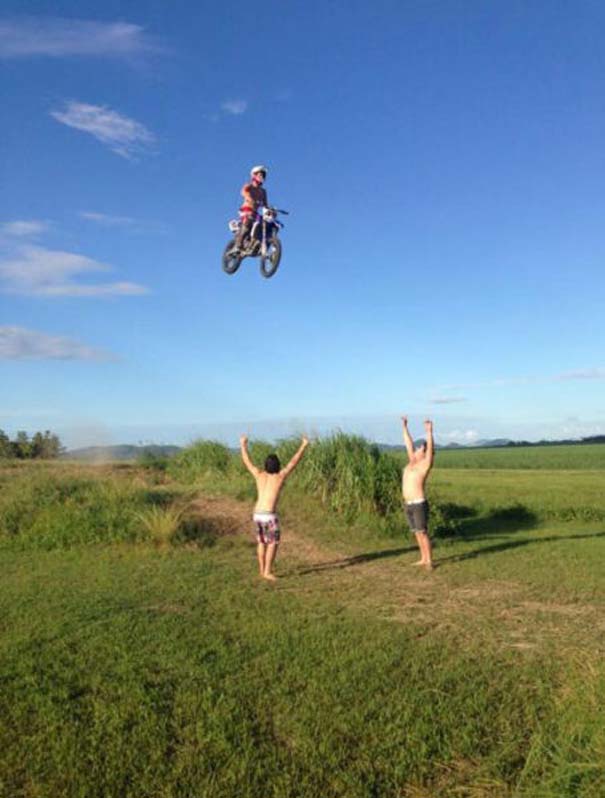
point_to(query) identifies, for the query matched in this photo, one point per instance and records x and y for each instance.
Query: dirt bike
(263, 242)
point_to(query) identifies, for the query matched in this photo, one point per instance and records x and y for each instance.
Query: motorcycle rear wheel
(269, 264)
(231, 262)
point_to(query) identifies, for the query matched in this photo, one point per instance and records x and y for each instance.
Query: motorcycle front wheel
(269, 264)
(231, 261)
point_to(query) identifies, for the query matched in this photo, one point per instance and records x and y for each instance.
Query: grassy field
(141, 657)
(585, 457)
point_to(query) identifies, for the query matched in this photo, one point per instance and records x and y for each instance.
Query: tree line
(41, 446)
(563, 442)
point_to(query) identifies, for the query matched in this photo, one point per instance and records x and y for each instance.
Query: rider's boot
(241, 237)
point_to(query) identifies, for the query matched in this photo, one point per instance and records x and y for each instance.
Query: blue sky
(443, 163)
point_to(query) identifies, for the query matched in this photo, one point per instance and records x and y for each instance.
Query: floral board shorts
(267, 527)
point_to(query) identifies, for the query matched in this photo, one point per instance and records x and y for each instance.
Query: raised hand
(243, 439)
(404, 419)
(428, 425)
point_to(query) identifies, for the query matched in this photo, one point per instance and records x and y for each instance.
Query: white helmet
(260, 168)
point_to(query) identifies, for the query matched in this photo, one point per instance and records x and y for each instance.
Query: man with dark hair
(272, 464)
(268, 486)
(415, 474)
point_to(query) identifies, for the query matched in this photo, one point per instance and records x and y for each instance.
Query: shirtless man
(415, 474)
(268, 486)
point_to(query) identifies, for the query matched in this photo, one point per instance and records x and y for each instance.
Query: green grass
(61, 506)
(132, 670)
(570, 457)
(545, 495)
(143, 675)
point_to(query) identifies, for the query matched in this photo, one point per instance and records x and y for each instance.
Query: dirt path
(385, 585)
(235, 518)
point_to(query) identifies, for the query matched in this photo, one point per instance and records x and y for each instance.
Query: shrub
(351, 476)
(199, 460)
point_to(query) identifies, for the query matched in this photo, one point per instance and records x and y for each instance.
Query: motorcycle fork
(252, 235)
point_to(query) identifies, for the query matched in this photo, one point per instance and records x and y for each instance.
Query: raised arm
(430, 444)
(243, 442)
(407, 438)
(297, 457)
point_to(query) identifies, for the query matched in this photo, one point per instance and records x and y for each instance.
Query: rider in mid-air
(255, 197)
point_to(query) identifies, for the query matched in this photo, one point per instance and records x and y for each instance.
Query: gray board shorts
(418, 516)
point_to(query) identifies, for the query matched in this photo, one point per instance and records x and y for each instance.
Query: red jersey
(254, 197)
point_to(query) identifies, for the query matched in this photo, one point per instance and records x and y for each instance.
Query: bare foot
(270, 577)
(419, 562)
(429, 566)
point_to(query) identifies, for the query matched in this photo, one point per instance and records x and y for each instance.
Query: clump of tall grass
(161, 524)
(351, 476)
(199, 460)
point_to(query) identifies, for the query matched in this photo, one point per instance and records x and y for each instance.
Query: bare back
(268, 487)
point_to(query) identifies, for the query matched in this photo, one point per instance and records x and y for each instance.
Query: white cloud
(44, 272)
(56, 37)
(234, 107)
(594, 373)
(23, 228)
(447, 400)
(124, 222)
(583, 374)
(19, 343)
(580, 429)
(497, 382)
(122, 135)
(108, 220)
(466, 436)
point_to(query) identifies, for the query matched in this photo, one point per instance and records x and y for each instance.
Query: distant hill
(479, 444)
(496, 443)
(127, 452)
(506, 442)
(123, 452)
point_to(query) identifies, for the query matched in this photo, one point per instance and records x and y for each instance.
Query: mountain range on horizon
(130, 452)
